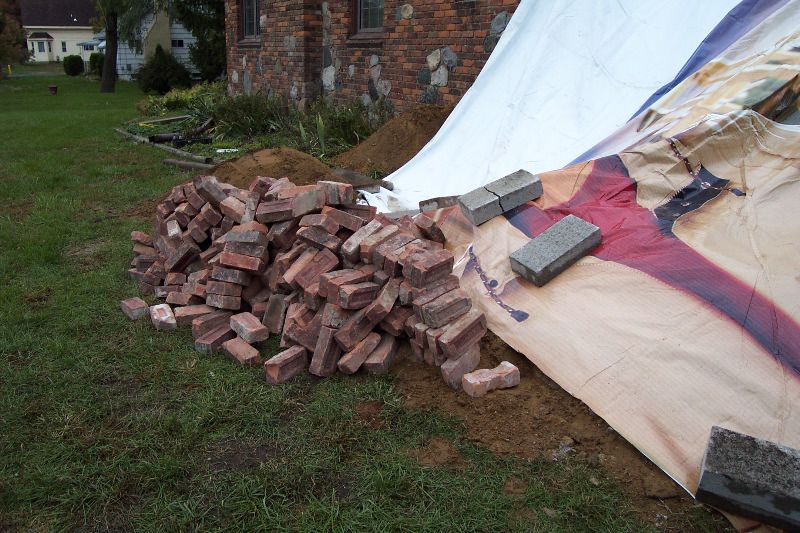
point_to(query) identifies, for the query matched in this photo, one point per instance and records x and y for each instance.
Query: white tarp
(565, 75)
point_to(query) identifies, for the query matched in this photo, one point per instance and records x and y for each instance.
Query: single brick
(382, 305)
(381, 359)
(311, 297)
(209, 188)
(210, 215)
(480, 205)
(243, 248)
(276, 211)
(446, 308)
(199, 276)
(307, 202)
(282, 234)
(424, 295)
(232, 303)
(345, 220)
(175, 278)
(326, 354)
(249, 328)
(334, 316)
(276, 312)
(556, 249)
(211, 341)
(182, 257)
(162, 317)
(394, 323)
(319, 238)
(322, 221)
(303, 262)
(223, 288)
(751, 477)
(323, 261)
(389, 246)
(355, 296)
(372, 242)
(135, 308)
(331, 282)
(351, 248)
(366, 212)
(230, 275)
(241, 262)
(429, 228)
(140, 237)
(380, 277)
(467, 330)
(354, 330)
(429, 267)
(241, 352)
(258, 309)
(352, 360)
(337, 193)
(185, 315)
(209, 322)
(287, 364)
(453, 370)
(303, 331)
(183, 298)
(479, 382)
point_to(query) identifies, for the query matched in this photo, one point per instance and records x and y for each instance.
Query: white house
(173, 37)
(54, 28)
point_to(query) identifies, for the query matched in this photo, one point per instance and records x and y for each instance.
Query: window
(63, 46)
(40, 45)
(177, 43)
(128, 67)
(250, 14)
(369, 15)
(49, 46)
(88, 47)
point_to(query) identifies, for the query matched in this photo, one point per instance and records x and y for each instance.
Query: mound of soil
(301, 168)
(396, 142)
(540, 419)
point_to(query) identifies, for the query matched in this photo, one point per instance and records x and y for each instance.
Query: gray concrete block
(480, 205)
(555, 249)
(751, 477)
(516, 189)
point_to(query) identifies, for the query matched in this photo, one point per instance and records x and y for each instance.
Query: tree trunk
(109, 79)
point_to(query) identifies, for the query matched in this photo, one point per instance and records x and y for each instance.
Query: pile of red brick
(340, 284)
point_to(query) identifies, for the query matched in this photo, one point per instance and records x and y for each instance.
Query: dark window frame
(364, 36)
(64, 47)
(40, 47)
(178, 43)
(250, 35)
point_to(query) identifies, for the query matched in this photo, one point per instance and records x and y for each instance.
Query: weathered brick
(366, 212)
(307, 202)
(467, 330)
(479, 382)
(354, 330)
(337, 193)
(319, 238)
(247, 237)
(382, 305)
(352, 360)
(241, 352)
(135, 308)
(175, 278)
(182, 257)
(250, 250)
(241, 262)
(196, 200)
(322, 221)
(369, 244)
(380, 277)
(394, 323)
(185, 315)
(183, 298)
(260, 185)
(211, 341)
(422, 295)
(326, 354)
(230, 275)
(429, 228)
(311, 297)
(303, 331)
(381, 359)
(304, 261)
(249, 328)
(232, 303)
(330, 282)
(140, 237)
(429, 267)
(223, 288)
(258, 309)
(276, 211)
(323, 261)
(334, 316)
(162, 317)
(453, 370)
(287, 364)
(210, 215)
(417, 351)
(282, 234)
(345, 220)
(209, 322)
(351, 248)
(276, 312)
(355, 296)
(390, 245)
(446, 308)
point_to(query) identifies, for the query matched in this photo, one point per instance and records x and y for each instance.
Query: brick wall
(310, 48)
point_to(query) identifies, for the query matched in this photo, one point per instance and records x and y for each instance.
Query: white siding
(128, 61)
(178, 32)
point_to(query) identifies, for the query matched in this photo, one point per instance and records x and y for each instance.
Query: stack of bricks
(341, 285)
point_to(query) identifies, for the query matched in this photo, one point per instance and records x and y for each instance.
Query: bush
(96, 63)
(196, 100)
(73, 65)
(161, 73)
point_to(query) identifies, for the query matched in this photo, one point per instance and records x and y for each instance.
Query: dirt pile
(276, 163)
(396, 142)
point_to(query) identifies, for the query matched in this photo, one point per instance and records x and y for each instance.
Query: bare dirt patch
(438, 452)
(539, 419)
(233, 455)
(87, 256)
(396, 142)
(301, 168)
(369, 412)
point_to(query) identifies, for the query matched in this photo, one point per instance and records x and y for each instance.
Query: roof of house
(57, 12)
(40, 35)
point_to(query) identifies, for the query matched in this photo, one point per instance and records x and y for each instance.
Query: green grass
(109, 425)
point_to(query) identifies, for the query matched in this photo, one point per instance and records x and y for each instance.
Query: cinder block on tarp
(500, 196)
(751, 477)
(555, 249)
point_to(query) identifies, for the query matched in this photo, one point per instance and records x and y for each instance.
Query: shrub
(96, 63)
(73, 65)
(161, 73)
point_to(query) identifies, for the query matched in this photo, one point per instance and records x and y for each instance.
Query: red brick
(417, 351)
(345, 220)
(351, 248)
(424, 295)
(372, 242)
(287, 364)
(249, 328)
(258, 309)
(211, 342)
(242, 236)
(175, 278)
(381, 359)
(390, 245)
(241, 262)
(366, 212)
(381, 306)
(232, 303)
(355, 296)
(230, 275)
(183, 298)
(304, 261)
(429, 267)
(330, 282)
(276, 211)
(354, 331)
(453, 370)
(469, 329)
(480, 382)
(282, 234)
(302, 331)
(260, 185)
(183, 256)
(246, 227)
(334, 316)
(446, 308)
(196, 200)
(319, 238)
(162, 317)
(209, 322)
(394, 323)
(185, 315)
(323, 261)
(223, 288)
(141, 249)
(307, 202)
(209, 188)
(324, 222)
(241, 352)
(337, 193)
(429, 228)
(326, 354)
(140, 237)
(276, 312)
(352, 360)
(135, 308)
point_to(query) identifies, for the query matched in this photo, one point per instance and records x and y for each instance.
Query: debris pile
(339, 283)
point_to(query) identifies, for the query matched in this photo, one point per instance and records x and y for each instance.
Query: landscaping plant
(161, 73)
(73, 65)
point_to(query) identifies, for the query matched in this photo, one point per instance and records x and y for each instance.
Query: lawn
(109, 425)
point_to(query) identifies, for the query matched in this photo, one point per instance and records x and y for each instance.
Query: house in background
(156, 30)
(54, 28)
(404, 51)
